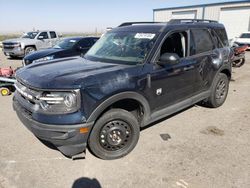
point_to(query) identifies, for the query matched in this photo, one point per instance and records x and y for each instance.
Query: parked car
(29, 42)
(244, 39)
(134, 75)
(75, 46)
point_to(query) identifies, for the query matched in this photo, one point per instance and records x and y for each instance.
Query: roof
(164, 26)
(203, 5)
(147, 27)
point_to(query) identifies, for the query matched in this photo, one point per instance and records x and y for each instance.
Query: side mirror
(40, 37)
(169, 58)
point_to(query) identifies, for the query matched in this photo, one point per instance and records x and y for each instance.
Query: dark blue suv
(134, 75)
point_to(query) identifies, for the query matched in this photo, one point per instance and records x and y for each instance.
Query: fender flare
(121, 96)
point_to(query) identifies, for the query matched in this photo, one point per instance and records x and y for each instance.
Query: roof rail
(175, 21)
(135, 23)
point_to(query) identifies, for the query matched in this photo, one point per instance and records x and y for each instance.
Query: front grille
(29, 94)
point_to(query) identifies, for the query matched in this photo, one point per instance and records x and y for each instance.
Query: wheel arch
(226, 72)
(125, 96)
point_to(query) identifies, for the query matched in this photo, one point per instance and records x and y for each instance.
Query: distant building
(234, 15)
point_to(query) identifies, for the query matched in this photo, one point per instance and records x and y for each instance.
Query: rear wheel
(5, 91)
(114, 135)
(219, 91)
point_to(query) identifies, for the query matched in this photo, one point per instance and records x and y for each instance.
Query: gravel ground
(207, 148)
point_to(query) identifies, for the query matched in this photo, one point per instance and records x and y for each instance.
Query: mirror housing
(169, 58)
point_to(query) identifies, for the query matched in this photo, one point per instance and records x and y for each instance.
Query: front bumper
(17, 51)
(67, 138)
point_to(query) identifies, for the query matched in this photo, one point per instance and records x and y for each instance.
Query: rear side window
(216, 39)
(223, 36)
(52, 34)
(203, 41)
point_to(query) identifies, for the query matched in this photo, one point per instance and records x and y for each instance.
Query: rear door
(53, 38)
(203, 53)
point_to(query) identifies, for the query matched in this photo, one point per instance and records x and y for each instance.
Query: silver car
(29, 42)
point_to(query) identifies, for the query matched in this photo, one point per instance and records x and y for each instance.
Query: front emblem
(159, 91)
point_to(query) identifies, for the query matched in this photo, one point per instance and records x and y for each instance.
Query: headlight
(44, 59)
(60, 102)
(17, 44)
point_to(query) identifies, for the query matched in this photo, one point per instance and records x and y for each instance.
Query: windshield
(30, 35)
(122, 47)
(66, 44)
(245, 35)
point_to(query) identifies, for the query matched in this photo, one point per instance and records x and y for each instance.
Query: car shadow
(86, 183)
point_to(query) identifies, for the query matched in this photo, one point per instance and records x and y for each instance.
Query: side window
(44, 34)
(175, 43)
(85, 43)
(216, 39)
(52, 34)
(223, 36)
(203, 40)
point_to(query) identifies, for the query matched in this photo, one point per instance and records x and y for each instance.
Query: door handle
(188, 67)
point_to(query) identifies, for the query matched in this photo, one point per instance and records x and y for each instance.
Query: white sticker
(144, 36)
(72, 41)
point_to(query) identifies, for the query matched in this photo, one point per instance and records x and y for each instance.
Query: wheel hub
(115, 135)
(221, 90)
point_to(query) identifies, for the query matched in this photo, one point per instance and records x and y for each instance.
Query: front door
(172, 83)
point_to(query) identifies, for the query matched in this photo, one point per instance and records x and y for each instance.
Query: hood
(66, 73)
(42, 53)
(243, 40)
(18, 40)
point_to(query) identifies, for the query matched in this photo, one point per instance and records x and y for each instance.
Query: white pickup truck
(29, 42)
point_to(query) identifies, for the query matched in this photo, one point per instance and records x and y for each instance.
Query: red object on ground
(7, 72)
(241, 49)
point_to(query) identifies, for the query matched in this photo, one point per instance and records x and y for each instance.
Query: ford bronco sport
(134, 75)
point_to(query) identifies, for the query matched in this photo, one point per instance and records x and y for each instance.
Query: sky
(79, 15)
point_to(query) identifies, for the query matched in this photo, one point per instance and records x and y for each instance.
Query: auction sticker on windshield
(144, 36)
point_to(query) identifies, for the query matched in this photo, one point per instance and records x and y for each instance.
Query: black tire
(29, 50)
(219, 91)
(114, 135)
(239, 63)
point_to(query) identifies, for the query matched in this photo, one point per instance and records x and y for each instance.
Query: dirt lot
(208, 148)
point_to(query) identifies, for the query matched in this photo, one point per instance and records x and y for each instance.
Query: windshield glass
(122, 47)
(30, 35)
(66, 44)
(245, 35)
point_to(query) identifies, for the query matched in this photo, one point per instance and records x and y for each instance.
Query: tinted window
(66, 43)
(45, 35)
(203, 41)
(223, 36)
(245, 35)
(52, 34)
(85, 43)
(216, 39)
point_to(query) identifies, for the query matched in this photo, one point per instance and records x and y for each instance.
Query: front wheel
(114, 135)
(219, 91)
(29, 50)
(239, 63)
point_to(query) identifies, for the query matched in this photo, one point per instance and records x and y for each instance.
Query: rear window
(223, 36)
(245, 35)
(203, 41)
